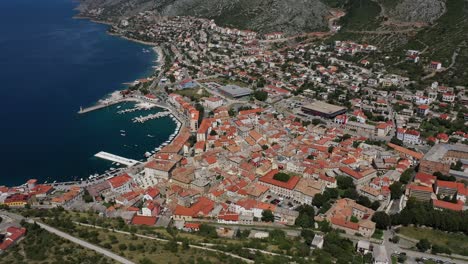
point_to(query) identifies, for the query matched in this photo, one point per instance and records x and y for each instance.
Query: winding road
(73, 239)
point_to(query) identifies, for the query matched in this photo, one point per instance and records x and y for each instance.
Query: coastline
(158, 62)
(147, 59)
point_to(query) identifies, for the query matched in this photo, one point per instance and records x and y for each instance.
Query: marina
(142, 104)
(142, 119)
(138, 107)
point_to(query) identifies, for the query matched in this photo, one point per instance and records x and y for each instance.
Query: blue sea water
(50, 65)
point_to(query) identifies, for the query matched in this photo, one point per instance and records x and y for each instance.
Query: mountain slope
(291, 16)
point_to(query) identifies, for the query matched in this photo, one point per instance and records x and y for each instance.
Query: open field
(457, 243)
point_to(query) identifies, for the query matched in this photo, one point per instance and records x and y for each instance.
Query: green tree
(351, 194)
(396, 141)
(267, 216)
(320, 199)
(363, 200)
(306, 216)
(344, 182)
(382, 220)
(375, 205)
(261, 95)
(333, 193)
(423, 245)
(208, 231)
(396, 190)
(406, 175)
(87, 198)
(281, 176)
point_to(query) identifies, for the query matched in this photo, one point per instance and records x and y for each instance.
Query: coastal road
(73, 239)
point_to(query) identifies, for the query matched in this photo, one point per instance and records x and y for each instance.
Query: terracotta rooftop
(290, 184)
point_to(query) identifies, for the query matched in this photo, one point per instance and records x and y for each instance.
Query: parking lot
(280, 201)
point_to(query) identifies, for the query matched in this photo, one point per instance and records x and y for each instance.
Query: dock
(142, 119)
(104, 104)
(115, 158)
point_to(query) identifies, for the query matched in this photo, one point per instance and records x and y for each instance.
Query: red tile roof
(144, 220)
(406, 151)
(448, 205)
(447, 184)
(343, 223)
(425, 178)
(290, 184)
(351, 172)
(120, 180)
(251, 111)
(184, 211)
(192, 225)
(420, 188)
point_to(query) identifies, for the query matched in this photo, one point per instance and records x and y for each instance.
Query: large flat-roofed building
(319, 108)
(234, 91)
(441, 156)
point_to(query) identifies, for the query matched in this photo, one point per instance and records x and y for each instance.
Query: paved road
(85, 244)
(179, 243)
(412, 255)
(71, 238)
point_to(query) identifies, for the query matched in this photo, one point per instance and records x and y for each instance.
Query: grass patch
(378, 234)
(457, 243)
(195, 94)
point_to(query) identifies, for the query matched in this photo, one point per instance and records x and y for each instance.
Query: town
(314, 135)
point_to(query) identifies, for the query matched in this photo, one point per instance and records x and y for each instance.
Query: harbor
(134, 113)
(143, 119)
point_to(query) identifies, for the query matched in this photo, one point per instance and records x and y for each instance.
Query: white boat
(118, 164)
(123, 135)
(151, 136)
(122, 131)
(147, 154)
(118, 107)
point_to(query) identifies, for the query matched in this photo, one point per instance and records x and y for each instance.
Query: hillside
(437, 28)
(261, 15)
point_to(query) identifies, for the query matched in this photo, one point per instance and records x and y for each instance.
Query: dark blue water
(50, 65)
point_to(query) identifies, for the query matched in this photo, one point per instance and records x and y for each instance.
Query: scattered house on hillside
(11, 237)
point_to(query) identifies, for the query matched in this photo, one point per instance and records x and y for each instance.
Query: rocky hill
(417, 10)
(290, 16)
